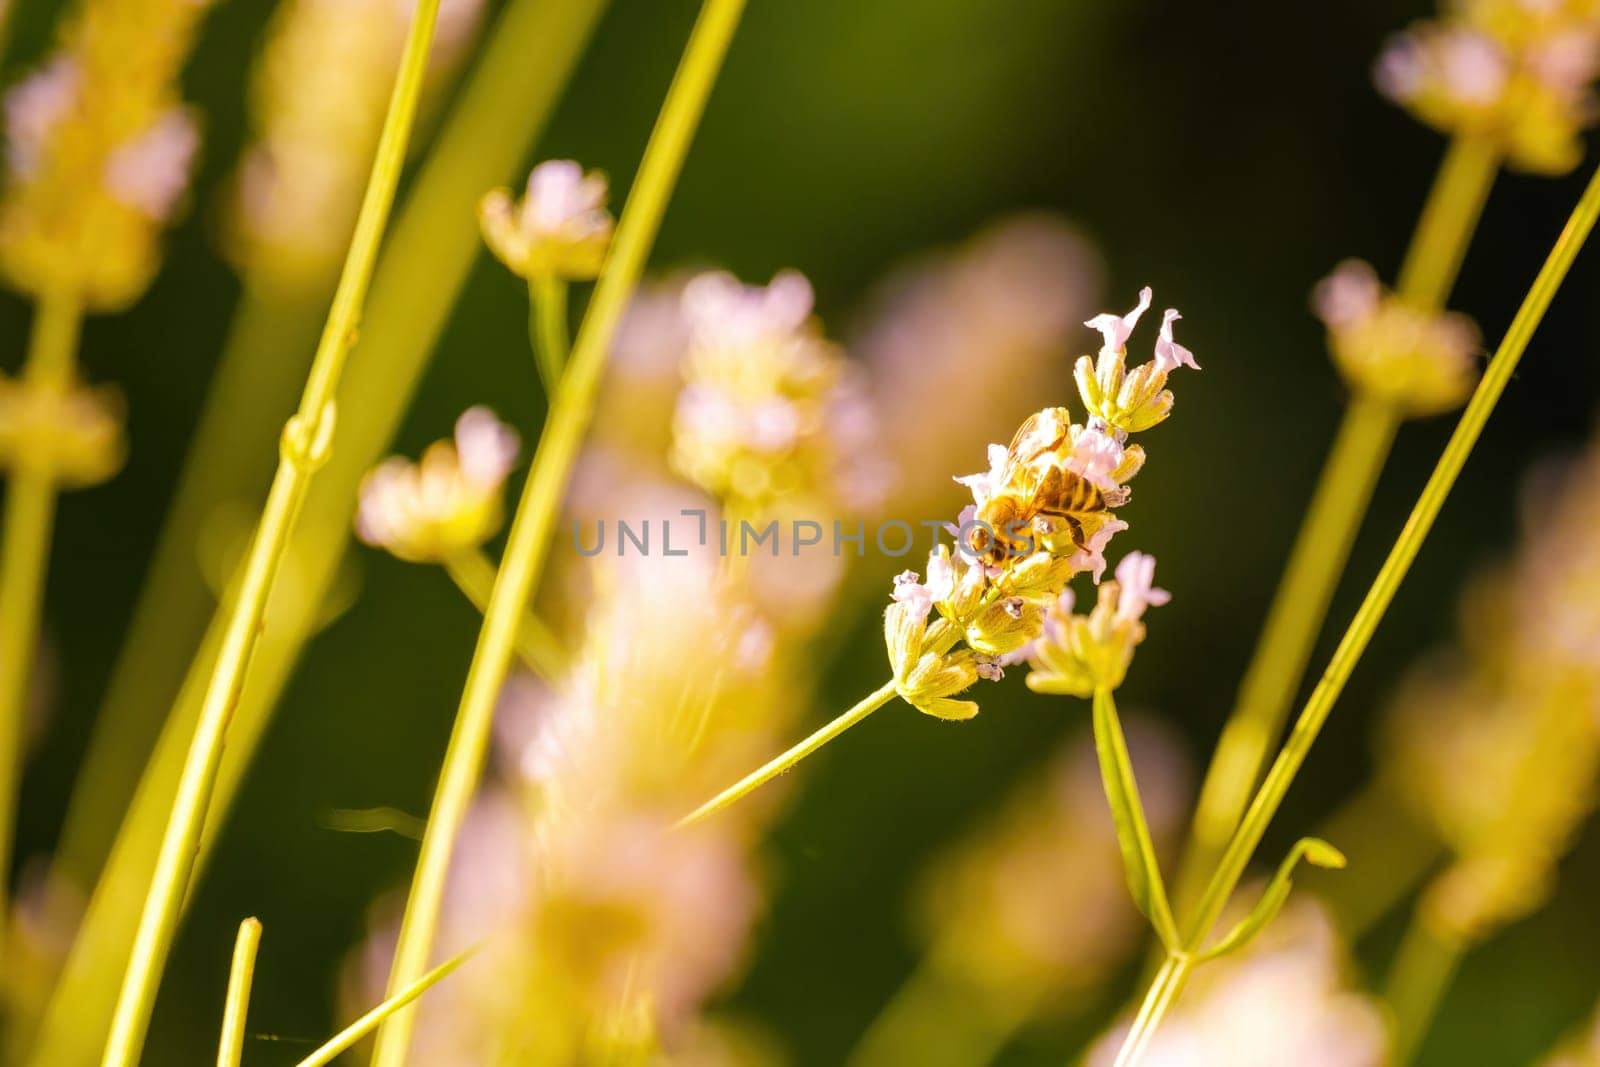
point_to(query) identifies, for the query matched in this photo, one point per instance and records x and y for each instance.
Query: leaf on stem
(1127, 813)
(1314, 851)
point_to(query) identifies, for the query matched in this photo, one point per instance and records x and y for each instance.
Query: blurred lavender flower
(1422, 363)
(446, 504)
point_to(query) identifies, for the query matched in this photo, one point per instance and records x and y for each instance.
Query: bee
(1039, 494)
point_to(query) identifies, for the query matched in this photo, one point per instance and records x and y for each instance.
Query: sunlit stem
(786, 762)
(1164, 992)
(532, 529)
(1267, 799)
(1418, 977)
(240, 976)
(1450, 215)
(346, 1038)
(427, 255)
(547, 328)
(25, 553)
(536, 646)
(304, 448)
(1322, 547)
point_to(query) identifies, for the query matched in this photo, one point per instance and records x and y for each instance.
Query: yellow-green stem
(547, 328)
(262, 367)
(425, 260)
(1164, 992)
(1284, 647)
(369, 1022)
(782, 764)
(536, 646)
(1359, 634)
(528, 542)
(30, 509)
(304, 448)
(1449, 216)
(1322, 547)
(1418, 977)
(230, 1047)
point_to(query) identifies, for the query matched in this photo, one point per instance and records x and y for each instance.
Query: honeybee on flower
(1042, 513)
(1036, 488)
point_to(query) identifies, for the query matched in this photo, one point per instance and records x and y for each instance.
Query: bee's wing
(1043, 432)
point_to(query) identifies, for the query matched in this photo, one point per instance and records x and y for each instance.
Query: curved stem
(1322, 546)
(1359, 634)
(547, 328)
(1418, 977)
(785, 762)
(240, 976)
(537, 647)
(528, 542)
(304, 449)
(30, 510)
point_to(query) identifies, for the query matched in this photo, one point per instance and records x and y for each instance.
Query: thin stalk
(230, 1049)
(547, 328)
(528, 542)
(493, 125)
(25, 553)
(1164, 991)
(306, 442)
(1451, 213)
(258, 377)
(1322, 547)
(785, 762)
(1421, 972)
(537, 647)
(346, 1038)
(1359, 634)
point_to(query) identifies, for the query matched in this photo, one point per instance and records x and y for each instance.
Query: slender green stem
(1449, 216)
(547, 328)
(240, 976)
(1322, 547)
(25, 553)
(305, 446)
(1127, 812)
(528, 542)
(785, 762)
(538, 648)
(369, 1022)
(1359, 634)
(1421, 972)
(1164, 992)
(1298, 609)
(426, 257)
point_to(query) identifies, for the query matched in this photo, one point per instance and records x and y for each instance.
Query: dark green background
(1227, 154)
